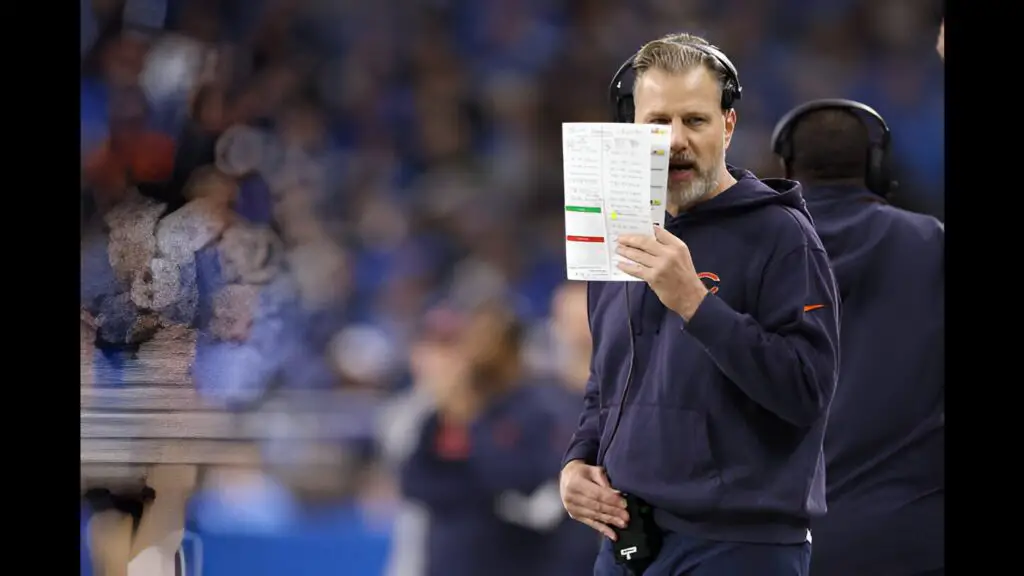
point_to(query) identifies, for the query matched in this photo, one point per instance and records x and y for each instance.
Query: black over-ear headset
(620, 92)
(879, 177)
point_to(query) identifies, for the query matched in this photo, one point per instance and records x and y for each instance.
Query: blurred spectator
(571, 346)
(484, 462)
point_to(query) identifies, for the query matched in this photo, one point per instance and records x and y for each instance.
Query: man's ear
(730, 126)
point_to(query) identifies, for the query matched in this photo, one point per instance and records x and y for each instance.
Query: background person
(885, 443)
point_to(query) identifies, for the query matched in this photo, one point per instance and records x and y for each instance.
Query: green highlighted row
(583, 209)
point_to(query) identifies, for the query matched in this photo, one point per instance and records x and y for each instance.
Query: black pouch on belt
(640, 541)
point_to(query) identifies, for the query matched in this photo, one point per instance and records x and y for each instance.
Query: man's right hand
(589, 498)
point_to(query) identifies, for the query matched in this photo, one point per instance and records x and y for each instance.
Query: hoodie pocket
(663, 455)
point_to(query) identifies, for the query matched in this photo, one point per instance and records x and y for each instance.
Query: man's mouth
(681, 170)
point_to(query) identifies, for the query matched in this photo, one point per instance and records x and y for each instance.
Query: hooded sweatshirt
(884, 448)
(718, 422)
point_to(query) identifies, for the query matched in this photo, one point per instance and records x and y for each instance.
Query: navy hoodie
(492, 492)
(884, 447)
(718, 422)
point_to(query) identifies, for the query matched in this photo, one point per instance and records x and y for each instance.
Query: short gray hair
(677, 53)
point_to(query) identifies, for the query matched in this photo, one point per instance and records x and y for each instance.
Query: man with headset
(885, 441)
(699, 449)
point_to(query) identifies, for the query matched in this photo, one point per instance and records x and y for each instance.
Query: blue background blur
(435, 128)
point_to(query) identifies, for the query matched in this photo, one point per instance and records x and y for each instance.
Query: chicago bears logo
(710, 280)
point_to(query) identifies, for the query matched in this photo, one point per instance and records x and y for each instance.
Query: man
(884, 448)
(710, 382)
(482, 463)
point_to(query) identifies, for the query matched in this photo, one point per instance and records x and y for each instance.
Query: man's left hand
(664, 262)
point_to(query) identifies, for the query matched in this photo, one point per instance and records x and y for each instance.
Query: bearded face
(689, 180)
(690, 102)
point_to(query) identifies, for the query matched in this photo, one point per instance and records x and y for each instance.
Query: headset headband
(784, 127)
(878, 178)
(618, 95)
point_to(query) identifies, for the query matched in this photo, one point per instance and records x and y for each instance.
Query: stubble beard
(687, 194)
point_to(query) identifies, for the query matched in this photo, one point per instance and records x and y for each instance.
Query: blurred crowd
(298, 182)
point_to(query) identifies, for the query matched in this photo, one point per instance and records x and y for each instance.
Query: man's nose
(679, 146)
(680, 137)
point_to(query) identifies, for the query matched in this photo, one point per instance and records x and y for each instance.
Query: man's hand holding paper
(616, 178)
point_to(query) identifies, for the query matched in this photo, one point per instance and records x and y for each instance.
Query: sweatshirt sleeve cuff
(712, 322)
(586, 451)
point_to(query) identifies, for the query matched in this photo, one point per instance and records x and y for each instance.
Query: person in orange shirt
(132, 154)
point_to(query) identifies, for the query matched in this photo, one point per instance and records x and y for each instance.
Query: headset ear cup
(876, 178)
(787, 168)
(785, 151)
(730, 95)
(626, 110)
(886, 172)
